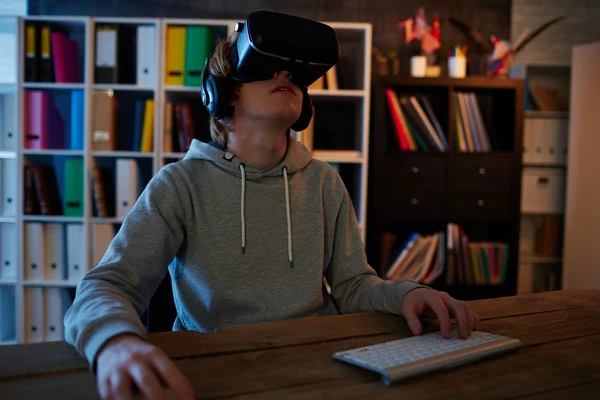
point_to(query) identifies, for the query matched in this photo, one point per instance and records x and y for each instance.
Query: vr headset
(269, 42)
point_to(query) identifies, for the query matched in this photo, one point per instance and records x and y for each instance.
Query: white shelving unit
(358, 38)
(16, 289)
(10, 288)
(545, 142)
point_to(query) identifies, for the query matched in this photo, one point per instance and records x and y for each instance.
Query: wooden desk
(560, 332)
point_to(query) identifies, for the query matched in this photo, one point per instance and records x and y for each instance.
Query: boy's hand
(430, 302)
(127, 361)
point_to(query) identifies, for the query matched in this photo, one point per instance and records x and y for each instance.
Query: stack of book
(44, 126)
(179, 126)
(416, 126)
(186, 52)
(473, 127)
(136, 126)
(426, 258)
(41, 191)
(50, 54)
(42, 195)
(103, 192)
(546, 99)
(421, 258)
(125, 54)
(115, 190)
(475, 263)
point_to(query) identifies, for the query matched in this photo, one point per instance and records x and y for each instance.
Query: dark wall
(555, 45)
(492, 16)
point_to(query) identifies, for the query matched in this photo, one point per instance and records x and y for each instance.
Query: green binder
(73, 203)
(198, 45)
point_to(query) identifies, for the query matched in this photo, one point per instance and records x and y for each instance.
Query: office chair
(161, 313)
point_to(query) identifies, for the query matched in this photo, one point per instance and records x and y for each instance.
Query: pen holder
(457, 67)
(418, 66)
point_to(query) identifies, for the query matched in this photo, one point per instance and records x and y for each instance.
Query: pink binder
(65, 54)
(35, 116)
(44, 126)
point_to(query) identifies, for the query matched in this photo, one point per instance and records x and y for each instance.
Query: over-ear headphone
(216, 93)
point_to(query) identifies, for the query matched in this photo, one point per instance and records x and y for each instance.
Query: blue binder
(77, 136)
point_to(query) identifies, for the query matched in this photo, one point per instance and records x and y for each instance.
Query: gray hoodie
(242, 246)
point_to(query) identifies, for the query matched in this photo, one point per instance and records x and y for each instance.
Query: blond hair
(220, 65)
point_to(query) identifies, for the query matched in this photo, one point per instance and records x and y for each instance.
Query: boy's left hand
(430, 302)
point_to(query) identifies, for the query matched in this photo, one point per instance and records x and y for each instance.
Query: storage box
(545, 141)
(543, 190)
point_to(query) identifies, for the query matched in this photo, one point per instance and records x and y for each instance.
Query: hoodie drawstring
(289, 216)
(242, 207)
(287, 207)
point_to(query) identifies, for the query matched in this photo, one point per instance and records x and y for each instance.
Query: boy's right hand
(126, 361)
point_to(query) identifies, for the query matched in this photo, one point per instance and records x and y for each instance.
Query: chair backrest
(161, 312)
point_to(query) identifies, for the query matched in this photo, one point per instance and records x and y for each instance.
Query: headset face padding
(306, 113)
(217, 91)
(216, 95)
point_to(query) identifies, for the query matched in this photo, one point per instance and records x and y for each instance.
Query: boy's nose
(285, 74)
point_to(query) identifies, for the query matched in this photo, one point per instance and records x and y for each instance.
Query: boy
(253, 224)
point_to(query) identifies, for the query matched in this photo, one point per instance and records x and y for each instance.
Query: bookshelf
(342, 115)
(26, 239)
(423, 191)
(9, 156)
(545, 154)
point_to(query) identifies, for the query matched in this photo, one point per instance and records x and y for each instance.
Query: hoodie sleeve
(112, 296)
(355, 286)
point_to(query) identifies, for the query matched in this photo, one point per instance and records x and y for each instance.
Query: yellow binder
(175, 55)
(148, 130)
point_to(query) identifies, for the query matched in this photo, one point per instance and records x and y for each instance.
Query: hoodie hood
(296, 158)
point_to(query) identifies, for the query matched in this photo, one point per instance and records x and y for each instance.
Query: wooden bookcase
(424, 191)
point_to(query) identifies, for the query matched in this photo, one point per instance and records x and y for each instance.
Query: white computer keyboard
(405, 358)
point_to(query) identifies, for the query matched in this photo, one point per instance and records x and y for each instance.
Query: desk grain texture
(560, 358)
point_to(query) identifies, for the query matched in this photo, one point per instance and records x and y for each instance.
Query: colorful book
(32, 52)
(104, 121)
(73, 181)
(414, 132)
(401, 135)
(44, 127)
(461, 139)
(66, 58)
(77, 120)
(168, 126)
(175, 62)
(424, 102)
(138, 124)
(428, 126)
(148, 127)
(199, 44)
